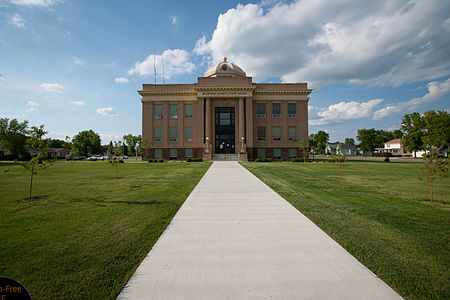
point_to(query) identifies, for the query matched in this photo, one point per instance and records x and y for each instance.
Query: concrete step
(224, 157)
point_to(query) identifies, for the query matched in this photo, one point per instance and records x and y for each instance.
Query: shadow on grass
(153, 202)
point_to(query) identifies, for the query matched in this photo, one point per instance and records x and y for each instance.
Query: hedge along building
(224, 112)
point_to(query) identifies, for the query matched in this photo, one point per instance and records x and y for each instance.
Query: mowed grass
(87, 238)
(378, 212)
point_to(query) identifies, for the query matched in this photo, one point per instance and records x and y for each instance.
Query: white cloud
(342, 112)
(121, 80)
(78, 61)
(77, 103)
(435, 91)
(32, 103)
(174, 20)
(32, 106)
(322, 41)
(107, 111)
(176, 62)
(53, 87)
(17, 21)
(46, 3)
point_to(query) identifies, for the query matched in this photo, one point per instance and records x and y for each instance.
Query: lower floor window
(261, 152)
(276, 153)
(188, 153)
(292, 153)
(158, 153)
(173, 154)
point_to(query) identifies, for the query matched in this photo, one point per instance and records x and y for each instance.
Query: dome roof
(224, 69)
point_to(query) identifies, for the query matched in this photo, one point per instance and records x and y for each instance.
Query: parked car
(95, 157)
(74, 157)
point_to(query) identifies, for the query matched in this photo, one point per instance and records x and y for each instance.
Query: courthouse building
(225, 112)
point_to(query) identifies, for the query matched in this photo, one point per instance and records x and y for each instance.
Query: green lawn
(86, 239)
(378, 212)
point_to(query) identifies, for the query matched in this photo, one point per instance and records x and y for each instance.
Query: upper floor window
(260, 110)
(188, 134)
(292, 133)
(188, 111)
(261, 133)
(276, 110)
(173, 134)
(157, 111)
(292, 110)
(157, 134)
(173, 111)
(276, 133)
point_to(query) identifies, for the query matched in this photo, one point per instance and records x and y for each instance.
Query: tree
(320, 139)
(370, 139)
(349, 141)
(437, 167)
(340, 159)
(131, 141)
(436, 129)
(35, 140)
(55, 143)
(114, 159)
(398, 134)
(304, 148)
(86, 142)
(413, 127)
(13, 136)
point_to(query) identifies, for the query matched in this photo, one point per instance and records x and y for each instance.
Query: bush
(189, 159)
(150, 160)
(387, 159)
(263, 159)
(161, 160)
(121, 161)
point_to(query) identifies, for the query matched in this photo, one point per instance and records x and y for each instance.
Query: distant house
(395, 147)
(345, 149)
(56, 152)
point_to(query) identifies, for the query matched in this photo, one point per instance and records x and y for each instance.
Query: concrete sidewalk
(235, 238)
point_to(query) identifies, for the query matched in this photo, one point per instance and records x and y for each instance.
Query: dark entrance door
(225, 130)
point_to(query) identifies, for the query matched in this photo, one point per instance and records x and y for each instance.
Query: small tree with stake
(437, 167)
(114, 159)
(304, 148)
(340, 159)
(35, 140)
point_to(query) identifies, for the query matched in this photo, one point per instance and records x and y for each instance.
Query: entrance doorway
(225, 137)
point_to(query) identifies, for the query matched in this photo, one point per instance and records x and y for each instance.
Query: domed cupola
(224, 69)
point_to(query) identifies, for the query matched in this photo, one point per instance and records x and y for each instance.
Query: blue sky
(76, 65)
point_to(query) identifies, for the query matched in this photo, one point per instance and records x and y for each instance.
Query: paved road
(235, 238)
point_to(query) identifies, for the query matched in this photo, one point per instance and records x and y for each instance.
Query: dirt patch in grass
(31, 199)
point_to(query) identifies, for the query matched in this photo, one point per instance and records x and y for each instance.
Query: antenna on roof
(164, 78)
(154, 60)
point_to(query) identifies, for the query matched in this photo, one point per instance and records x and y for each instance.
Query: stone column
(241, 123)
(208, 118)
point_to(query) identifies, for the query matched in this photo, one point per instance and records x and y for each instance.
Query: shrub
(387, 159)
(150, 160)
(161, 160)
(121, 161)
(189, 159)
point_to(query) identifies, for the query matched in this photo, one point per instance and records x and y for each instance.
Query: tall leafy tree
(131, 141)
(349, 141)
(368, 140)
(436, 125)
(320, 140)
(413, 128)
(13, 136)
(86, 142)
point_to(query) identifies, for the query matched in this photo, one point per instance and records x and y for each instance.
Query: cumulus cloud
(77, 103)
(176, 61)
(45, 3)
(78, 61)
(435, 91)
(174, 20)
(107, 111)
(17, 21)
(121, 80)
(342, 112)
(33, 103)
(321, 41)
(53, 87)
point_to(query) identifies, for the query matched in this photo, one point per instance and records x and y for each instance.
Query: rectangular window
(261, 133)
(188, 111)
(292, 110)
(188, 134)
(173, 111)
(276, 110)
(276, 133)
(157, 111)
(173, 154)
(157, 134)
(261, 153)
(260, 110)
(292, 133)
(292, 152)
(158, 153)
(188, 153)
(276, 153)
(173, 134)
